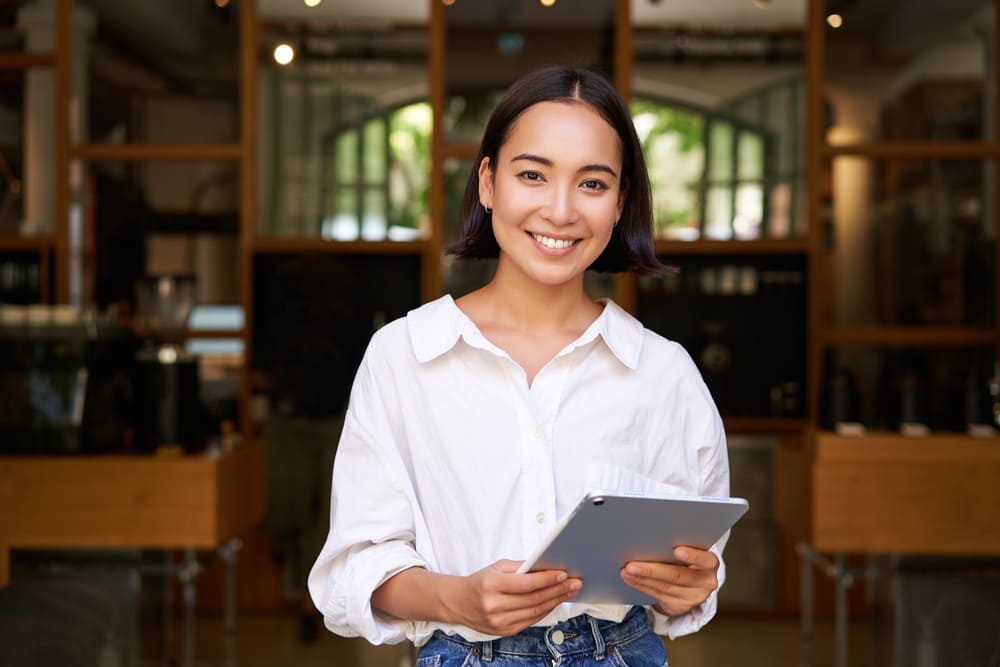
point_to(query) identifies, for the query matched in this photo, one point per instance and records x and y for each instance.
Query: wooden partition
(886, 493)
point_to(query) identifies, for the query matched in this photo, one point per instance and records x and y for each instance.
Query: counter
(134, 502)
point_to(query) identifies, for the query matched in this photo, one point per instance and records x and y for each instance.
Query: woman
(476, 424)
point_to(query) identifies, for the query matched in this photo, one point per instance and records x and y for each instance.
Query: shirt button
(540, 517)
(539, 432)
(558, 637)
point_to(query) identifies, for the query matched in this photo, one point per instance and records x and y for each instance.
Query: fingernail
(633, 569)
(561, 577)
(683, 554)
(575, 585)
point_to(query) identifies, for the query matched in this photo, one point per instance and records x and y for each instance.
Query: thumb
(506, 566)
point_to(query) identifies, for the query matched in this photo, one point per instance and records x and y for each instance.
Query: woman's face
(555, 192)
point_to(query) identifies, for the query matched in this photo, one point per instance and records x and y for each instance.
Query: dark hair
(631, 247)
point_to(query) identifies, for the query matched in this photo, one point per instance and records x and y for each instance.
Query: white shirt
(450, 461)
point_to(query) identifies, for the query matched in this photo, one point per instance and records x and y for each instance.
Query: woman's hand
(677, 588)
(498, 601)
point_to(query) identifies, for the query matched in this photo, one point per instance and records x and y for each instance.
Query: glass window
(923, 231)
(347, 156)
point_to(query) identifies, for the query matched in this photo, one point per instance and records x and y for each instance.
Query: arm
(370, 580)
(495, 600)
(687, 594)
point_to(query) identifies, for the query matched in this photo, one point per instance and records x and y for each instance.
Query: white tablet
(607, 530)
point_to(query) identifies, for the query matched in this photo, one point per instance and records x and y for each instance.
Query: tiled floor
(272, 641)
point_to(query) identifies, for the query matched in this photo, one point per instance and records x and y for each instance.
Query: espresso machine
(169, 415)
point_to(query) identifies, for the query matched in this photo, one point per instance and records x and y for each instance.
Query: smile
(549, 242)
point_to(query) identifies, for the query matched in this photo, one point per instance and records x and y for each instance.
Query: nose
(561, 206)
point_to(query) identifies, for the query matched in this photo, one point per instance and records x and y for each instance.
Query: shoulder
(418, 336)
(640, 347)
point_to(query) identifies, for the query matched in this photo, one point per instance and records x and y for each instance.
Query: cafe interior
(190, 191)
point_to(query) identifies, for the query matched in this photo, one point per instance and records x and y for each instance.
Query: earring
(489, 211)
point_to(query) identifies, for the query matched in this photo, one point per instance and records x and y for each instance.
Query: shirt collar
(436, 327)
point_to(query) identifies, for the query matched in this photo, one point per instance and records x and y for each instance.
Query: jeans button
(558, 637)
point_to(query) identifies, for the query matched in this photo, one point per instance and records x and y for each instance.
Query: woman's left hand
(677, 588)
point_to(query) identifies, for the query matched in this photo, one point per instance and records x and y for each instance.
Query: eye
(532, 176)
(594, 184)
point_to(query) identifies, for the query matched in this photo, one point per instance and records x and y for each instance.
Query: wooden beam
(248, 28)
(14, 60)
(60, 168)
(815, 142)
(267, 244)
(900, 150)
(431, 281)
(915, 336)
(141, 152)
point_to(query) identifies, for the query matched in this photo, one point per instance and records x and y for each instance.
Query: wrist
(446, 592)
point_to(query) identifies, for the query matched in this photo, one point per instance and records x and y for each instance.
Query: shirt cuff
(360, 579)
(694, 620)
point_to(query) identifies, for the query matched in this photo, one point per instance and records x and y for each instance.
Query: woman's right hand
(497, 600)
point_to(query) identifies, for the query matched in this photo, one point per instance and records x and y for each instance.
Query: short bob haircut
(631, 246)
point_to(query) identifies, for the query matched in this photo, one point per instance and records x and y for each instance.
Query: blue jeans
(581, 641)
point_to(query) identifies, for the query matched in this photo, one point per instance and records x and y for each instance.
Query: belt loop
(598, 638)
(487, 651)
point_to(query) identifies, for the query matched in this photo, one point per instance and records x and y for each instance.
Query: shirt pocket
(611, 478)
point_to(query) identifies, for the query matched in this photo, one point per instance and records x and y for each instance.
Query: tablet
(606, 530)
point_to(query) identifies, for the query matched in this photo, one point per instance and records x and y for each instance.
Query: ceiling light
(221, 3)
(547, 3)
(284, 54)
(312, 3)
(447, 3)
(835, 20)
(762, 4)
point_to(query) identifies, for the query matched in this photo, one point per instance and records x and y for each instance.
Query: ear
(622, 196)
(485, 183)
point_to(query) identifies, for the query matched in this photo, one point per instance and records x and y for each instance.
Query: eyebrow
(548, 163)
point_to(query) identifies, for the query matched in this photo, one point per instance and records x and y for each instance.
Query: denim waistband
(580, 634)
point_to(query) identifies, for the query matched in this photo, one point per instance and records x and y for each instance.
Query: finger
(665, 572)
(533, 607)
(699, 559)
(532, 581)
(548, 597)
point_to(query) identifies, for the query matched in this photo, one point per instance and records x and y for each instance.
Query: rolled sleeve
(373, 519)
(346, 606)
(697, 618)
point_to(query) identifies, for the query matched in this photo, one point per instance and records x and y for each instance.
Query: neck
(530, 306)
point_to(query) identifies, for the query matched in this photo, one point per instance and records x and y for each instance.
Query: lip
(573, 241)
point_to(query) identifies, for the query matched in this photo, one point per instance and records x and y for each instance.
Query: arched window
(375, 176)
(353, 167)
(707, 171)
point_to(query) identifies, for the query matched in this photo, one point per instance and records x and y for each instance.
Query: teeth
(555, 244)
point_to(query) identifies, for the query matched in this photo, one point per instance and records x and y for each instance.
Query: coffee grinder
(169, 411)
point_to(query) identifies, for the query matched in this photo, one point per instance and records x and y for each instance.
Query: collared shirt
(450, 461)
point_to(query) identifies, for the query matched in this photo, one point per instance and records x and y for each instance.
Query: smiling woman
(527, 378)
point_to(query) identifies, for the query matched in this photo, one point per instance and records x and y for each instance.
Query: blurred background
(207, 206)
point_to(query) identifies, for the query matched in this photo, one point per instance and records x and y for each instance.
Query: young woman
(476, 424)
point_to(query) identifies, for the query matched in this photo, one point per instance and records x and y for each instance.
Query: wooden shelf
(792, 246)
(764, 425)
(137, 152)
(10, 242)
(911, 336)
(945, 150)
(13, 60)
(284, 244)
